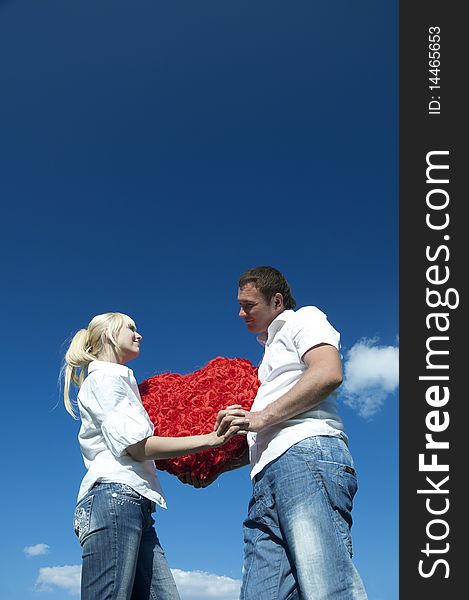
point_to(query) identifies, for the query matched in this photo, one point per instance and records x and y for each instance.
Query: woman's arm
(157, 447)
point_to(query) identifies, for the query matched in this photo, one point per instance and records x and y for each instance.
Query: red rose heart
(181, 405)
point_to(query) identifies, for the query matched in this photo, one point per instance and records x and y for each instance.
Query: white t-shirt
(113, 418)
(289, 337)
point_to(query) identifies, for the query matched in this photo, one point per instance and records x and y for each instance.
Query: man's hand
(195, 481)
(235, 463)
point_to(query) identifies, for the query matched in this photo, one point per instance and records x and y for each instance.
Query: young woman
(122, 556)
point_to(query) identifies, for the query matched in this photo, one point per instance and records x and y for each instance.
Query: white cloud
(198, 585)
(36, 550)
(192, 585)
(371, 373)
(66, 578)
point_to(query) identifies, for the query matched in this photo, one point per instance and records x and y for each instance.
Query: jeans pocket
(347, 480)
(122, 492)
(82, 518)
(262, 506)
(128, 491)
(344, 494)
(339, 485)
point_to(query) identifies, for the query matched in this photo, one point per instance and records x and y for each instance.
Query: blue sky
(150, 152)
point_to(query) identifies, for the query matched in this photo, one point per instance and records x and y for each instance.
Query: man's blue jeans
(297, 542)
(122, 556)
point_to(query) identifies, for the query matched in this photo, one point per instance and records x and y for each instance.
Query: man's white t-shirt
(289, 337)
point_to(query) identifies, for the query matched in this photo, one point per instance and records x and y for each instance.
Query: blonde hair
(86, 345)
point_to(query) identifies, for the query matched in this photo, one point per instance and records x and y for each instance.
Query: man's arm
(322, 376)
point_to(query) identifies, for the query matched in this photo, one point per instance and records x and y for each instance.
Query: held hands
(233, 420)
(220, 436)
(235, 416)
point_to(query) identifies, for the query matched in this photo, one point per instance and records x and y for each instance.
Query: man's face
(255, 311)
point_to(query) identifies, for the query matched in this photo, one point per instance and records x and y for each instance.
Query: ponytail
(77, 359)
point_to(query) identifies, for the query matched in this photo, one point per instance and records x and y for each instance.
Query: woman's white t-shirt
(113, 418)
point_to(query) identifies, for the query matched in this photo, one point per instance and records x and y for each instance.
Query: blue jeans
(297, 542)
(122, 556)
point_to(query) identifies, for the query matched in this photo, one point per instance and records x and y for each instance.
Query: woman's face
(128, 341)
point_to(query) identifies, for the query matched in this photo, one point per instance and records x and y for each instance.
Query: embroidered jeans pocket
(82, 517)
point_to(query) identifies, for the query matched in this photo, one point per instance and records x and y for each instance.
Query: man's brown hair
(269, 281)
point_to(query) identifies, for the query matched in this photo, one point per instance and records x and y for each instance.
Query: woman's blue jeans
(297, 542)
(122, 556)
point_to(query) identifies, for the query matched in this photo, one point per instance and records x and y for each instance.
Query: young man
(297, 541)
